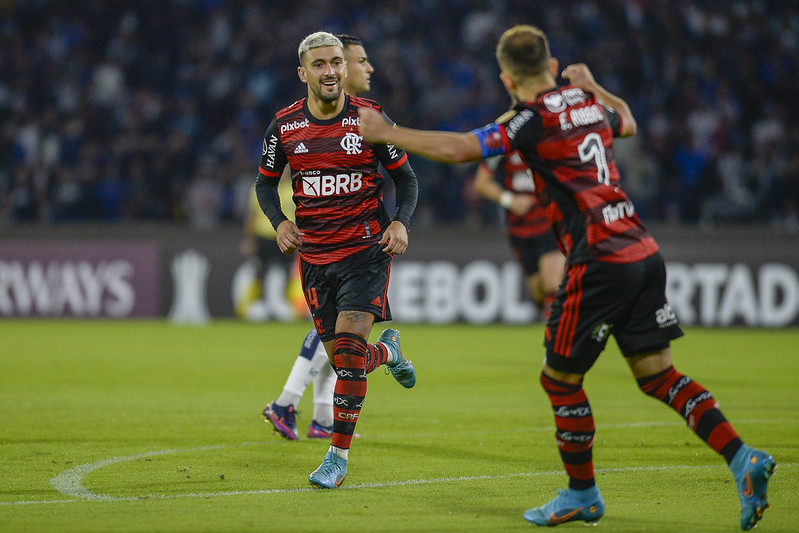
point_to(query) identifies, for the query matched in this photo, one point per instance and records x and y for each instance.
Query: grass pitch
(148, 426)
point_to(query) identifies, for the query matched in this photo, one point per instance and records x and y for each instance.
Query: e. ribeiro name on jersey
(565, 137)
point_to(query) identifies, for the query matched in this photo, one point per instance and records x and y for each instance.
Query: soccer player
(615, 278)
(507, 181)
(345, 237)
(312, 365)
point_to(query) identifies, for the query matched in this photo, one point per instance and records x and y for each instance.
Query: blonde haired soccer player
(345, 237)
(312, 364)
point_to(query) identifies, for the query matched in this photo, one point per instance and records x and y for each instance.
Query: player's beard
(327, 97)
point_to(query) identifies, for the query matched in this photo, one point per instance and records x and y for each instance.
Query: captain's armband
(491, 140)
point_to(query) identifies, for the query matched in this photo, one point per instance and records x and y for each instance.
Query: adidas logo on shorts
(665, 317)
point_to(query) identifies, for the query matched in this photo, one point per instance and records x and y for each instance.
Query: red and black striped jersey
(566, 138)
(512, 174)
(338, 189)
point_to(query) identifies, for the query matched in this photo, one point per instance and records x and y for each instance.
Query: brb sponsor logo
(332, 185)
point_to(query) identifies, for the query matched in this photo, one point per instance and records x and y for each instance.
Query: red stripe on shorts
(571, 311)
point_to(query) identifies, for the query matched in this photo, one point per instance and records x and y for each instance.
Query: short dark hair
(523, 51)
(349, 40)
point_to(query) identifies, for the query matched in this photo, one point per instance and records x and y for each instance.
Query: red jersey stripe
(265, 172)
(338, 187)
(566, 139)
(398, 163)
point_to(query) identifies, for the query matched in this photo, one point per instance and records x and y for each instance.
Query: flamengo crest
(351, 143)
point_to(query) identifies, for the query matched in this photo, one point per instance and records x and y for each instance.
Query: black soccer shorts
(356, 283)
(596, 300)
(528, 250)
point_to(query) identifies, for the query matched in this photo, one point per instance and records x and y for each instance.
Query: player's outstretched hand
(289, 237)
(395, 238)
(372, 125)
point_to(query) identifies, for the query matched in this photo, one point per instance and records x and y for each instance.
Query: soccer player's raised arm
(441, 146)
(580, 76)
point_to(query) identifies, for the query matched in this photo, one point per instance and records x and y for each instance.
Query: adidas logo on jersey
(301, 149)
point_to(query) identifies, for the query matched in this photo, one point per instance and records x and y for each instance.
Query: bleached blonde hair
(318, 40)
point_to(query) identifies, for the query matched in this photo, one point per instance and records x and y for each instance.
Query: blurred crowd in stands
(155, 109)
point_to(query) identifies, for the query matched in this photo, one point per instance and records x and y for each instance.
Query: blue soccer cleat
(401, 368)
(569, 505)
(330, 473)
(752, 470)
(318, 431)
(283, 419)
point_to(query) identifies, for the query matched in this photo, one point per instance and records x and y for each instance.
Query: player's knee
(348, 360)
(659, 383)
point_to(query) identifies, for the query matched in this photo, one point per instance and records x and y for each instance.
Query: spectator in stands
(146, 86)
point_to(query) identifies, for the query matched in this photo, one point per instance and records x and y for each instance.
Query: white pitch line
(410, 482)
(70, 482)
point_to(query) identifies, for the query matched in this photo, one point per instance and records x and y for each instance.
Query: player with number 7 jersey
(566, 138)
(614, 283)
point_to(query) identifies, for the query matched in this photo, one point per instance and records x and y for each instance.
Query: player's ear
(301, 73)
(553, 67)
(507, 81)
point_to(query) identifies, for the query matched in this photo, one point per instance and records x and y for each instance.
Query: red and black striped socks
(697, 406)
(376, 355)
(574, 424)
(350, 391)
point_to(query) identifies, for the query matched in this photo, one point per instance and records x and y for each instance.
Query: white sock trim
(341, 452)
(390, 358)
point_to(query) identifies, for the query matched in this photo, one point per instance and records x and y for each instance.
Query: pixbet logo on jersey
(330, 185)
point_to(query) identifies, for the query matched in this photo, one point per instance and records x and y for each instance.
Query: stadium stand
(154, 110)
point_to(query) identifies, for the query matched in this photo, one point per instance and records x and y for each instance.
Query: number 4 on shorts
(310, 296)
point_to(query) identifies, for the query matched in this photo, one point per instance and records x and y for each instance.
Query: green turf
(148, 426)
